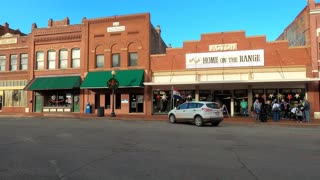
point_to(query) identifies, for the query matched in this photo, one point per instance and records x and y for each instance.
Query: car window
(199, 105)
(213, 105)
(183, 106)
(192, 105)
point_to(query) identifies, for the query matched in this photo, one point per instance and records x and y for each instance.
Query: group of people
(279, 110)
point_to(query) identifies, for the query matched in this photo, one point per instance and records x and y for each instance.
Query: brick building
(62, 67)
(227, 67)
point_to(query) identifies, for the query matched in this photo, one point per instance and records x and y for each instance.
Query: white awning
(232, 82)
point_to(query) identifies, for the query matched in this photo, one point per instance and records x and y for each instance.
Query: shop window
(2, 63)
(51, 59)
(133, 59)
(99, 61)
(205, 95)
(116, 60)
(293, 96)
(271, 95)
(63, 59)
(107, 101)
(13, 62)
(161, 101)
(75, 56)
(58, 99)
(258, 94)
(15, 98)
(40, 60)
(24, 62)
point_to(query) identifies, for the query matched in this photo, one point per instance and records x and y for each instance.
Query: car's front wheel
(172, 119)
(198, 121)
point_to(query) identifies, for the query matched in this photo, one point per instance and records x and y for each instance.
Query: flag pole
(171, 97)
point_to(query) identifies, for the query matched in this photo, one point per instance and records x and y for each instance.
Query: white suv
(197, 112)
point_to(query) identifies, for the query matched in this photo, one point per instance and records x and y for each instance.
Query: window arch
(133, 54)
(39, 60)
(115, 59)
(63, 59)
(99, 57)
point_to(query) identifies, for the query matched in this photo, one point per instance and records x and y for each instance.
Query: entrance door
(136, 103)
(76, 104)
(38, 103)
(224, 98)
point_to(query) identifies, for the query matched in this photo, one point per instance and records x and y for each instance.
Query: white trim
(315, 11)
(230, 82)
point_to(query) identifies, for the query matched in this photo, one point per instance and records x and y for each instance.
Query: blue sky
(180, 20)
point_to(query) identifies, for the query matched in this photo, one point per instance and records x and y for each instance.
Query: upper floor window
(133, 59)
(23, 61)
(40, 60)
(99, 61)
(75, 62)
(116, 60)
(13, 62)
(2, 63)
(63, 60)
(51, 59)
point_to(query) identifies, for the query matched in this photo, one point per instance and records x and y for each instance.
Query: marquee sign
(225, 59)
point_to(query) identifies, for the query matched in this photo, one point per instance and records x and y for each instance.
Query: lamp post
(113, 85)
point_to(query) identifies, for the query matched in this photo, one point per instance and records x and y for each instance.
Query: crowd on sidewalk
(276, 111)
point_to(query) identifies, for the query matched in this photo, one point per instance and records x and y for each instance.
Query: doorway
(223, 97)
(136, 103)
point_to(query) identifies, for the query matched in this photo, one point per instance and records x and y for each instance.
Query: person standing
(276, 111)
(257, 108)
(306, 110)
(264, 112)
(244, 107)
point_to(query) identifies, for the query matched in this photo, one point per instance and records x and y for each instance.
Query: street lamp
(113, 84)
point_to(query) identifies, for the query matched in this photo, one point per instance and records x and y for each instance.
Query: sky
(180, 20)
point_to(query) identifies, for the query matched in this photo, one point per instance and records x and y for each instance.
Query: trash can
(100, 112)
(88, 108)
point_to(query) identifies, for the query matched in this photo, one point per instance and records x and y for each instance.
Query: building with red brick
(229, 66)
(64, 67)
(68, 66)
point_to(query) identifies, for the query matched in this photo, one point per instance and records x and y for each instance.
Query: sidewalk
(243, 120)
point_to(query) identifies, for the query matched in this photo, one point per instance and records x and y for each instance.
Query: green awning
(51, 83)
(126, 78)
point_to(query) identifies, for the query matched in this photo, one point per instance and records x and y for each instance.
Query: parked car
(197, 112)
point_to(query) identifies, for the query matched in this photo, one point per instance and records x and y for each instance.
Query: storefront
(12, 96)
(128, 97)
(228, 96)
(55, 94)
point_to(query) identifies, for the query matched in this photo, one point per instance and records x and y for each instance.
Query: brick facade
(288, 64)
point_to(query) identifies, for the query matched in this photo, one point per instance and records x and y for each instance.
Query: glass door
(136, 103)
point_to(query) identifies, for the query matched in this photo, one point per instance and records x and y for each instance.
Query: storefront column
(250, 103)
(232, 104)
(197, 93)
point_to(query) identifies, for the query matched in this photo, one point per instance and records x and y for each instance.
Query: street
(84, 149)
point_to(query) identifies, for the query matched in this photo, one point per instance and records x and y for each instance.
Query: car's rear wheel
(172, 119)
(198, 121)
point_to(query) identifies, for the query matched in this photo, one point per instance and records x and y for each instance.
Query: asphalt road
(79, 149)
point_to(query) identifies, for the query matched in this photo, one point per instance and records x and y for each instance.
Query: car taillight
(206, 109)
